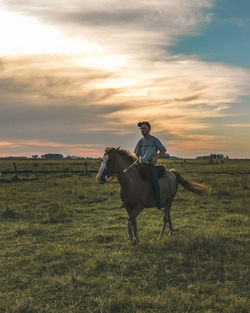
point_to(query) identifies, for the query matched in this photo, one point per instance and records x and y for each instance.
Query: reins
(124, 171)
(111, 178)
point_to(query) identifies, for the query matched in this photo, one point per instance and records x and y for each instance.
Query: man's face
(145, 130)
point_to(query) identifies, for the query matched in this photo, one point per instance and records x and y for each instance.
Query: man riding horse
(137, 193)
(147, 151)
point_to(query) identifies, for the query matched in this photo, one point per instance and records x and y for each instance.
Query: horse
(136, 193)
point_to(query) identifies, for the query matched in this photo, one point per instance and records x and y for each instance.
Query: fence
(80, 168)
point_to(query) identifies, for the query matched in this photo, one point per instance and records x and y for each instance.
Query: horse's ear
(118, 148)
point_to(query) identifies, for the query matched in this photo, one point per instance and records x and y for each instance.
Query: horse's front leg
(130, 232)
(132, 221)
(130, 227)
(165, 220)
(135, 233)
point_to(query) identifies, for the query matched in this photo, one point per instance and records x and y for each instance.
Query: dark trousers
(155, 184)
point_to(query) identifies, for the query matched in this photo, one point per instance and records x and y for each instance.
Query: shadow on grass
(195, 257)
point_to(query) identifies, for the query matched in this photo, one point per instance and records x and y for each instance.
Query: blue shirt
(148, 148)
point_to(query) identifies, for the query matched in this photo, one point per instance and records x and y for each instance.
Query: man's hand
(155, 159)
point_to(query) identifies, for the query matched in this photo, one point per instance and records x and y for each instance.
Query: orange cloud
(6, 144)
(34, 145)
(38, 143)
(241, 125)
(194, 145)
(87, 152)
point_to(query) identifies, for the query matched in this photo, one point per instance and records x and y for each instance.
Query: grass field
(64, 244)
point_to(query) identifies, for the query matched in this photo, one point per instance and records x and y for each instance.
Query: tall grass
(64, 246)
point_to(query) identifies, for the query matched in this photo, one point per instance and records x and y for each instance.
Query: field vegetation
(64, 242)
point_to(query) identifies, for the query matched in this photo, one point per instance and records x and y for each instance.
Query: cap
(144, 122)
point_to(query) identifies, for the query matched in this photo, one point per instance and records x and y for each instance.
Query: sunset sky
(76, 76)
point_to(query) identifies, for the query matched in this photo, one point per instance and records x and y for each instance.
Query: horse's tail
(192, 186)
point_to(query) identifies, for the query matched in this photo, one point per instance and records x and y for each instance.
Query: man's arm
(162, 152)
(161, 149)
(155, 159)
(137, 150)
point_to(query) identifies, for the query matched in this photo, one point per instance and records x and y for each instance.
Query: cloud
(101, 70)
(241, 22)
(5, 144)
(18, 147)
(191, 145)
(151, 25)
(242, 125)
(189, 92)
(48, 77)
(74, 104)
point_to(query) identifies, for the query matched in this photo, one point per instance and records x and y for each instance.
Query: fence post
(244, 181)
(42, 166)
(15, 169)
(86, 168)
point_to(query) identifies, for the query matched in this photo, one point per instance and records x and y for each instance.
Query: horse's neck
(125, 179)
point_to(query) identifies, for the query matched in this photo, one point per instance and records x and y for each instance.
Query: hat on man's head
(145, 123)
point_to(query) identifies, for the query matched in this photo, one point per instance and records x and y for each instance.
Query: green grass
(64, 245)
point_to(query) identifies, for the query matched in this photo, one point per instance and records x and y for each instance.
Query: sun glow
(22, 35)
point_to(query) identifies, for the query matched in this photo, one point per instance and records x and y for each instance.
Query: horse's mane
(123, 153)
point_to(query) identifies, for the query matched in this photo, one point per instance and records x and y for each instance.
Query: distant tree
(52, 156)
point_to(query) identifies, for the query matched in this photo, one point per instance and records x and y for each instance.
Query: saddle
(145, 171)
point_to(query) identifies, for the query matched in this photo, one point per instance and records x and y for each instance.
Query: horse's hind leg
(169, 222)
(130, 231)
(167, 219)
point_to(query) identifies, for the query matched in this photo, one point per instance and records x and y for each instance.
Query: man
(147, 151)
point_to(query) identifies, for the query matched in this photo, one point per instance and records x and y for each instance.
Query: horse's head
(107, 167)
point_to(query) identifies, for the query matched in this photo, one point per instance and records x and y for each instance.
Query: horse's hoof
(134, 242)
(160, 237)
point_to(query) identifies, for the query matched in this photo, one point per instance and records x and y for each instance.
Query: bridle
(124, 171)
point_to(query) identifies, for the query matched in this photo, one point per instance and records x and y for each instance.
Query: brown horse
(136, 193)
